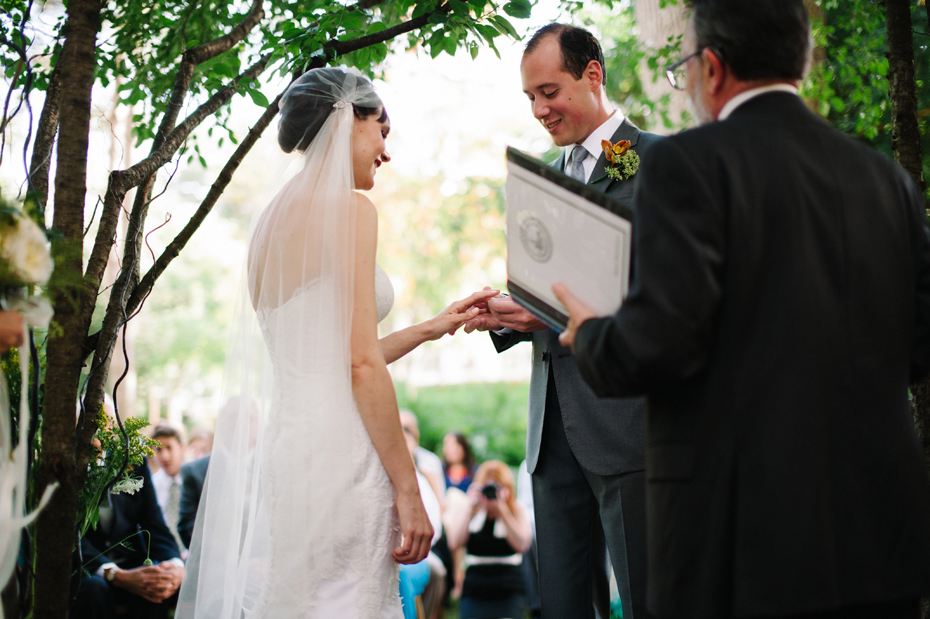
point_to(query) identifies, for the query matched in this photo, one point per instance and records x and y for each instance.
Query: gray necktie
(577, 169)
(174, 511)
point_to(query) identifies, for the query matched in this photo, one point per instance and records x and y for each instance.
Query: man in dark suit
(193, 475)
(780, 309)
(131, 530)
(585, 453)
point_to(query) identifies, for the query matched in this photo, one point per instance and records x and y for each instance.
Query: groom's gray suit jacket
(607, 435)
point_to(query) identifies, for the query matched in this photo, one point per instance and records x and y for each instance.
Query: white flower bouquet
(25, 265)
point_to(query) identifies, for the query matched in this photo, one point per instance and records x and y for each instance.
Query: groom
(585, 453)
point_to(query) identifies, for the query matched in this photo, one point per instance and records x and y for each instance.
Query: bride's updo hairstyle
(312, 98)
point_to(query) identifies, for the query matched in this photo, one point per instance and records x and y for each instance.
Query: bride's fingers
(478, 297)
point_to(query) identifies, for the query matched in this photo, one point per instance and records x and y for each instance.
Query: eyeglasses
(676, 72)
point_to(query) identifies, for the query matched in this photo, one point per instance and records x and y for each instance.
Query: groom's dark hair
(578, 47)
(762, 39)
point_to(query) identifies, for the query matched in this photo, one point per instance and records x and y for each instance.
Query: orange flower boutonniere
(622, 161)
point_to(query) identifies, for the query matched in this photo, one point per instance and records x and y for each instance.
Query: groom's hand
(577, 314)
(511, 315)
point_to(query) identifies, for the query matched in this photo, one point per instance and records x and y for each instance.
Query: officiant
(779, 311)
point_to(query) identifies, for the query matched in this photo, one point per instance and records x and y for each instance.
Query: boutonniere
(622, 161)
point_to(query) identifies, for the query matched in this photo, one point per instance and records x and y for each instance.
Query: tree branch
(222, 181)
(134, 175)
(195, 56)
(45, 138)
(144, 170)
(106, 232)
(340, 48)
(142, 173)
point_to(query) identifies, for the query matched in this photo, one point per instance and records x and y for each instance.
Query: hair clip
(339, 105)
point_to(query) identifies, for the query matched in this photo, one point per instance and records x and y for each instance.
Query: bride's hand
(415, 527)
(457, 314)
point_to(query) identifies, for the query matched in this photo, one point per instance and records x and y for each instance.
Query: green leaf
(459, 7)
(517, 11)
(449, 44)
(507, 27)
(258, 98)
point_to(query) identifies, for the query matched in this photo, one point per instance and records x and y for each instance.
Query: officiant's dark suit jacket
(780, 308)
(606, 435)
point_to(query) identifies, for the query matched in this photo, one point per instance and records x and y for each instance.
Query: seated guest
(167, 479)
(428, 463)
(495, 531)
(199, 444)
(130, 531)
(192, 477)
(457, 460)
(426, 579)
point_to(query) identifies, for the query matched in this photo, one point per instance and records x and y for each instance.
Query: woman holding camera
(495, 532)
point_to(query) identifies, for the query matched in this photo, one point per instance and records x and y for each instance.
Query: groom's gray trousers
(575, 510)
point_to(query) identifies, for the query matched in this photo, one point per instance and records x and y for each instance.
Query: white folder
(560, 230)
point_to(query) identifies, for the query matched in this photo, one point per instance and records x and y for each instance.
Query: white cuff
(103, 568)
(176, 561)
(503, 331)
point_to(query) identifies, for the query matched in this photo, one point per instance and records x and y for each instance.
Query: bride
(311, 498)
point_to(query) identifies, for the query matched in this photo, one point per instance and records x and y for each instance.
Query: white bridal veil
(260, 542)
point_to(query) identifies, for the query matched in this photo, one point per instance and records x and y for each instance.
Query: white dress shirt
(592, 143)
(161, 481)
(745, 96)
(428, 462)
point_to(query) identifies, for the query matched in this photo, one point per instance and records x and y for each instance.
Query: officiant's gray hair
(762, 39)
(312, 97)
(578, 48)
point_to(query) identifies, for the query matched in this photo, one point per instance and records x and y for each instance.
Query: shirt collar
(606, 131)
(752, 93)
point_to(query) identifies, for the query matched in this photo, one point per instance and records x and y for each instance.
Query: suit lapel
(559, 164)
(626, 131)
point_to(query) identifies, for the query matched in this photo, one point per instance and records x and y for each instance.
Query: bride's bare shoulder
(366, 207)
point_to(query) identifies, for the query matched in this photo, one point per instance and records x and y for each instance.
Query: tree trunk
(55, 530)
(656, 24)
(905, 141)
(902, 89)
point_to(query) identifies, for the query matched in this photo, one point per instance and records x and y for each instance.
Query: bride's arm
(374, 394)
(399, 343)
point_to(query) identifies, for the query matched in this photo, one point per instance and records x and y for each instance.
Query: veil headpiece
(287, 371)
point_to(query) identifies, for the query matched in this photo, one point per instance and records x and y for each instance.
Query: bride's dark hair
(309, 102)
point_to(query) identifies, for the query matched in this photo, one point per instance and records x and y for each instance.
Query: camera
(490, 491)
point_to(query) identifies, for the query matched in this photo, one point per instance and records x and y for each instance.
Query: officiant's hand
(577, 314)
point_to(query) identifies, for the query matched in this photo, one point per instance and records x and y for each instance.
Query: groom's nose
(540, 109)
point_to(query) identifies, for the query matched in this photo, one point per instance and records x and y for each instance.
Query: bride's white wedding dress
(330, 533)
(298, 516)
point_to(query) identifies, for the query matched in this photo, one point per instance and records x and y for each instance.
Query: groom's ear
(594, 73)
